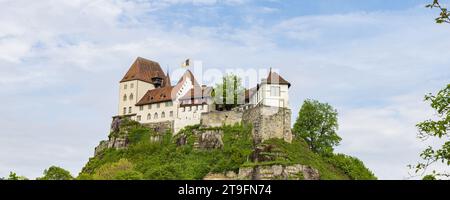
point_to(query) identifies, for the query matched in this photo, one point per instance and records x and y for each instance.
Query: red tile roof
(144, 70)
(188, 74)
(198, 93)
(167, 93)
(158, 95)
(275, 78)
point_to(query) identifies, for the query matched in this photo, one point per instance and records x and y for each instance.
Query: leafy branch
(444, 16)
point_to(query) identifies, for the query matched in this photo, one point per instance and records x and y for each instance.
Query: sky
(373, 60)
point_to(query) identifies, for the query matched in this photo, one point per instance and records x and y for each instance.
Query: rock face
(221, 176)
(211, 139)
(116, 143)
(278, 172)
(160, 127)
(272, 172)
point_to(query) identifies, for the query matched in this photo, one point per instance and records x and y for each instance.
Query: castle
(147, 96)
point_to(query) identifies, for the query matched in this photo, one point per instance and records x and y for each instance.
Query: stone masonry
(219, 118)
(269, 122)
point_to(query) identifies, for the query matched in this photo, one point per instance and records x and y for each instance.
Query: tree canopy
(229, 93)
(317, 125)
(56, 173)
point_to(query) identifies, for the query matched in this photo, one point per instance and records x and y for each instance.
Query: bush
(56, 173)
(351, 166)
(120, 170)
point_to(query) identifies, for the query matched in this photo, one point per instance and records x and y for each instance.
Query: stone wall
(161, 127)
(269, 122)
(219, 118)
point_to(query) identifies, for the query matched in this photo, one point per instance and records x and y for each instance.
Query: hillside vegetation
(164, 160)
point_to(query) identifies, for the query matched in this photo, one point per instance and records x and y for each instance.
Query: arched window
(131, 96)
(163, 115)
(124, 97)
(171, 114)
(149, 116)
(124, 110)
(156, 116)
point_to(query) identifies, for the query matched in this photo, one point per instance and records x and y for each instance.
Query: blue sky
(373, 60)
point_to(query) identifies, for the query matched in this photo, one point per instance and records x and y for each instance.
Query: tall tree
(317, 125)
(56, 173)
(444, 15)
(436, 128)
(229, 93)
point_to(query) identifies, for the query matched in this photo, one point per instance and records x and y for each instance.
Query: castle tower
(142, 76)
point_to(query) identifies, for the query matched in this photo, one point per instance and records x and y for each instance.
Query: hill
(218, 153)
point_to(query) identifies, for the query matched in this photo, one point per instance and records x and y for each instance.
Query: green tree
(436, 128)
(317, 125)
(120, 170)
(15, 177)
(444, 15)
(229, 93)
(56, 173)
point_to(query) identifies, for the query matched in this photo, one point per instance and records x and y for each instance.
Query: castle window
(275, 91)
(163, 115)
(138, 118)
(183, 109)
(171, 114)
(125, 86)
(132, 85)
(158, 106)
(124, 110)
(141, 108)
(131, 96)
(129, 109)
(156, 116)
(150, 106)
(124, 97)
(169, 103)
(189, 109)
(149, 116)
